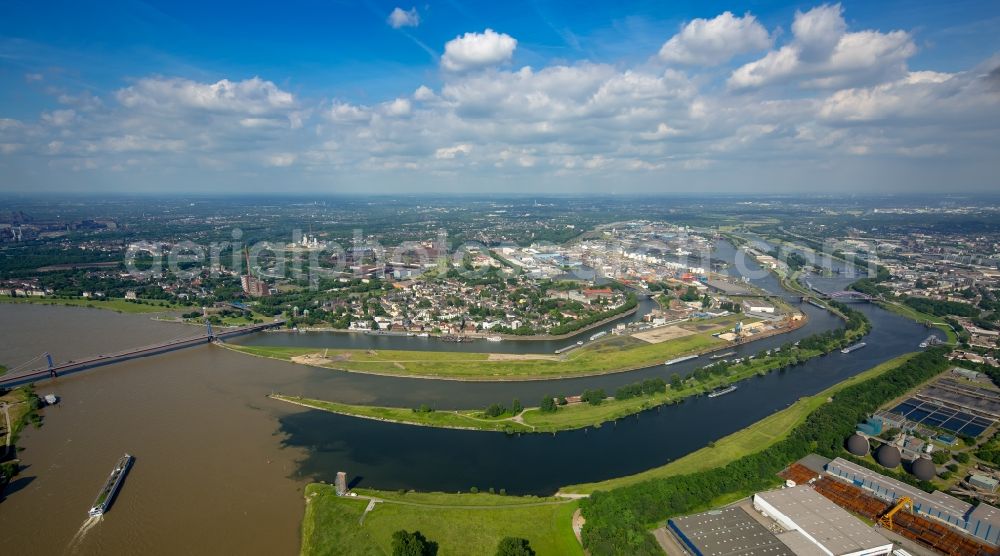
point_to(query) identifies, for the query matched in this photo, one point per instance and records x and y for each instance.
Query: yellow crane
(901, 503)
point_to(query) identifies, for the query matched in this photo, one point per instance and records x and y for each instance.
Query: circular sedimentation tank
(923, 469)
(888, 456)
(857, 445)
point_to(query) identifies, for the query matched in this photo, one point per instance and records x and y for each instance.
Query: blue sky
(499, 96)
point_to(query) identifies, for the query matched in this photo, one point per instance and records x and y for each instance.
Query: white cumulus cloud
(713, 41)
(818, 31)
(59, 118)
(252, 96)
(822, 54)
(476, 50)
(398, 107)
(403, 18)
(446, 153)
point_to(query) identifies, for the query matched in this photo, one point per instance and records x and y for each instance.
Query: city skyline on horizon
(522, 99)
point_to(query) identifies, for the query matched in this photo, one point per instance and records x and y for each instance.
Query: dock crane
(886, 519)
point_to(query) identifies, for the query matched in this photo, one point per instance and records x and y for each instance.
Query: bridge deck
(35, 375)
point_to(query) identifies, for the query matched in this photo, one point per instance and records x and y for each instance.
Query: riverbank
(463, 524)
(18, 407)
(609, 355)
(118, 305)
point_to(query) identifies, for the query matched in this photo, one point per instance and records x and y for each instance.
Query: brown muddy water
(210, 476)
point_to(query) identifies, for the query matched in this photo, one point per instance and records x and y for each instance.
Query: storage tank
(857, 445)
(923, 469)
(888, 456)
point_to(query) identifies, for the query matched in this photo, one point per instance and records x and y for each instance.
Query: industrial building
(757, 306)
(825, 525)
(793, 521)
(725, 532)
(984, 482)
(982, 521)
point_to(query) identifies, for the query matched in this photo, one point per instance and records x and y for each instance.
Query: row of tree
(941, 308)
(499, 409)
(647, 387)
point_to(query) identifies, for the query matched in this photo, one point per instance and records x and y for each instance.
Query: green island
(463, 524)
(613, 354)
(597, 407)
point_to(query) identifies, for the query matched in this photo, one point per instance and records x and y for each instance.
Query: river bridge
(846, 296)
(52, 370)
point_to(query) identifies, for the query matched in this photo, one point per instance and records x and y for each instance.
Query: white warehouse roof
(826, 524)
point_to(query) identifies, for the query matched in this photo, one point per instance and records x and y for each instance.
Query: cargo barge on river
(721, 391)
(855, 347)
(111, 486)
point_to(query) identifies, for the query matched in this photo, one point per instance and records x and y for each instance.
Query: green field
(461, 524)
(117, 304)
(608, 355)
(754, 438)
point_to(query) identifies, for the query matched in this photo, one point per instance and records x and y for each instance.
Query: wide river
(220, 467)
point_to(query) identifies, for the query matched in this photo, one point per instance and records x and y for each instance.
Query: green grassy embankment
(116, 304)
(464, 419)
(752, 439)
(461, 524)
(607, 355)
